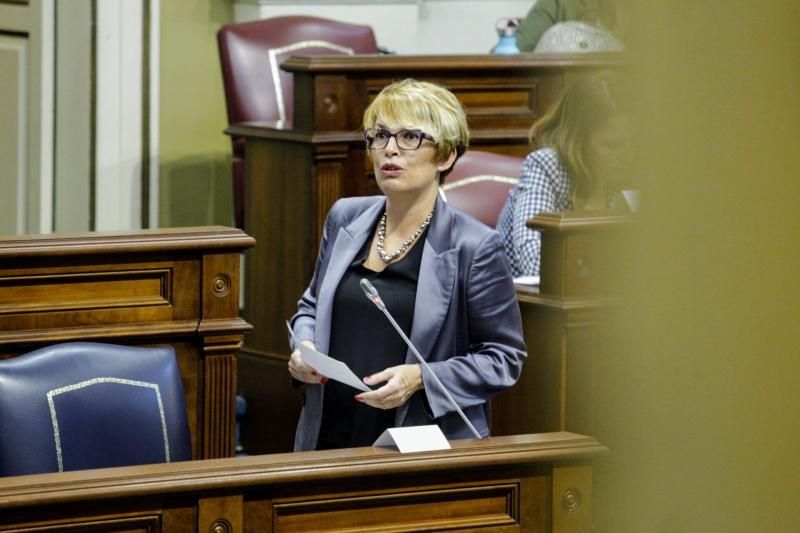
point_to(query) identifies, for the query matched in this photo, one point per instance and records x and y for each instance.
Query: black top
(364, 339)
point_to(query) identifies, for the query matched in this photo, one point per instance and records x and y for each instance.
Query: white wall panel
(119, 115)
(13, 132)
(406, 27)
(28, 125)
(72, 187)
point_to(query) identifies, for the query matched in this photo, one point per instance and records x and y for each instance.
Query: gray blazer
(466, 321)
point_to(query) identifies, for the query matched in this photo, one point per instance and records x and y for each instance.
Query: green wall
(195, 181)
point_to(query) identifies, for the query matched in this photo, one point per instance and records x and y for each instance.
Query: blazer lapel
(437, 276)
(349, 240)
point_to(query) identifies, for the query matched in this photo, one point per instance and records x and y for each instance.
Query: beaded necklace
(388, 258)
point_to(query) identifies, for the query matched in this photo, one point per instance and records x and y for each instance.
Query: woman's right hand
(301, 371)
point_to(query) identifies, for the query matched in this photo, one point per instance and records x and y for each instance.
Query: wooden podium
(295, 172)
(177, 287)
(503, 484)
(562, 322)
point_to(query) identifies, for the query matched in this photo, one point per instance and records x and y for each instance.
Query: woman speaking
(442, 275)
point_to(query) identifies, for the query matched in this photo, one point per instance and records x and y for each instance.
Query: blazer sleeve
(303, 321)
(496, 349)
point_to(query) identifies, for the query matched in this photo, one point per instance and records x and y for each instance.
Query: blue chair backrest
(82, 405)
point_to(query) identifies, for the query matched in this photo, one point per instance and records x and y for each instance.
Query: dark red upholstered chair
(479, 184)
(256, 89)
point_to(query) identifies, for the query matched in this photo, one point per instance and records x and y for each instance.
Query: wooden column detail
(221, 515)
(223, 333)
(572, 499)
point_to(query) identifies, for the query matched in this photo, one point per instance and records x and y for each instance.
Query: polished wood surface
(295, 172)
(151, 287)
(535, 483)
(563, 325)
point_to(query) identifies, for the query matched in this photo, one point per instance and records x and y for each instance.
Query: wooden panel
(579, 375)
(577, 252)
(221, 514)
(177, 287)
(273, 405)
(536, 402)
(495, 484)
(572, 499)
(219, 409)
(135, 524)
(105, 290)
(279, 216)
(563, 324)
(457, 508)
(85, 290)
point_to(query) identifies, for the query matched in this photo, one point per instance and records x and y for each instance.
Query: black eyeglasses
(378, 138)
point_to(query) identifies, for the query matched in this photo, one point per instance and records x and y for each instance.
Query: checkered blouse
(543, 187)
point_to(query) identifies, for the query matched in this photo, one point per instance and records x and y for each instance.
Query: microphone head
(371, 292)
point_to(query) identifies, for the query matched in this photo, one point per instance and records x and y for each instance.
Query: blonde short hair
(430, 106)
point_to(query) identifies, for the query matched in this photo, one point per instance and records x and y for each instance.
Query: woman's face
(608, 150)
(403, 171)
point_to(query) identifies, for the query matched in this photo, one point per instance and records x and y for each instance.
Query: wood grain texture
(563, 323)
(496, 484)
(152, 287)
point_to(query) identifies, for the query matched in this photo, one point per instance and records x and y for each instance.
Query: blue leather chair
(82, 405)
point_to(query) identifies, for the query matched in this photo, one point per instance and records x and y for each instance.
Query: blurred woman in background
(582, 161)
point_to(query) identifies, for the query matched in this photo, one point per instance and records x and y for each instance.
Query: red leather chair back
(479, 184)
(256, 89)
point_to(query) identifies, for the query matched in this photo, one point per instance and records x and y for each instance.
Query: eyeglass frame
(422, 137)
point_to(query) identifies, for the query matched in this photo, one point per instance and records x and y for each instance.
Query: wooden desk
(562, 322)
(521, 483)
(296, 172)
(152, 287)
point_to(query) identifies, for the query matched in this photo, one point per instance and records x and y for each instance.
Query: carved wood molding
(303, 467)
(131, 242)
(219, 409)
(98, 332)
(371, 63)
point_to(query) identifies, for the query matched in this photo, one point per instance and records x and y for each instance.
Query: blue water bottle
(507, 31)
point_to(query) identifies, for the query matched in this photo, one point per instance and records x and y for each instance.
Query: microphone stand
(372, 294)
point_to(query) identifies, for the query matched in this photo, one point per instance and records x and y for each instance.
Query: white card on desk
(327, 366)
(413, 439)
(632, 197)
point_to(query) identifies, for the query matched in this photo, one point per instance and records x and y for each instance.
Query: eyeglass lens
(378, 138)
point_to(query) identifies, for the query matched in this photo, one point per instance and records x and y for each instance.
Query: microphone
(372, 295)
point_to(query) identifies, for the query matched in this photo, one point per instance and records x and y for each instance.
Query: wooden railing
(521, 483)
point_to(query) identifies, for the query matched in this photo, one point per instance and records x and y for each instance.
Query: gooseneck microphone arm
(372, 295)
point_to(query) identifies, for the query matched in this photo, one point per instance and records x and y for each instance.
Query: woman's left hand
(401, 382)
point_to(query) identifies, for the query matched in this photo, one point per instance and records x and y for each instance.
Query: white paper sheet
(527, 280)
(328, 366)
